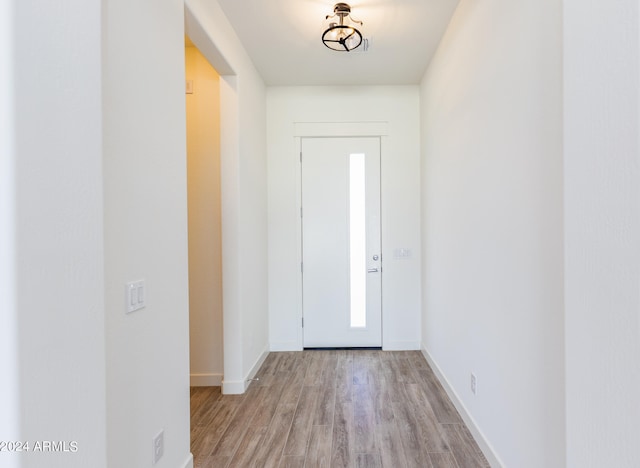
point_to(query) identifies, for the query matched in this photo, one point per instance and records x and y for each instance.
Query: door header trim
(340, 129)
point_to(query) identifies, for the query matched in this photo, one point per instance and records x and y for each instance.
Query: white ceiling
(283, 39)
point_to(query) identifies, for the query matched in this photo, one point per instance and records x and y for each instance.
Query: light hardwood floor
(342, 408)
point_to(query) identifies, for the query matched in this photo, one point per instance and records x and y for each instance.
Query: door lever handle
(372, 270)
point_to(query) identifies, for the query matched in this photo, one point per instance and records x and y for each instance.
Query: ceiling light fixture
(342, 36)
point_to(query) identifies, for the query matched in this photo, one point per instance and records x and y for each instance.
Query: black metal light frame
(344, 43)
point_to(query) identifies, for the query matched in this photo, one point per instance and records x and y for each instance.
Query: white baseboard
(479, 437)
(206, 380)
(189, 462)
(390, 346)
(238, 387)
(285, 346)
(401, 346)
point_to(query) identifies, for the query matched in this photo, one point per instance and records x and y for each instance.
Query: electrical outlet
(158, 447)
(474, 384)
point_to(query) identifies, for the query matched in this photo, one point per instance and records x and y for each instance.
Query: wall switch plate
(135, 296)
(158, 447)
(474, 384)
(402, 253)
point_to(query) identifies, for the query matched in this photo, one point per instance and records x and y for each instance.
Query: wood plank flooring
(342, 408)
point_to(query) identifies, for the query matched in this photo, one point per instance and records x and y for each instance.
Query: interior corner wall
(244, 191)
(205, 250)
(145, 203)
(602, 245)
(492, 223)
(51, 230)
(398, 107)
(253, 222)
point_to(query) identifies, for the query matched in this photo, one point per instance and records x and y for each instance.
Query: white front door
(341, 270)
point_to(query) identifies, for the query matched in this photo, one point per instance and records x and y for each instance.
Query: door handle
(372, 270)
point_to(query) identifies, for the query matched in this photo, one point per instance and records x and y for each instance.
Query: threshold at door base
(347, 348)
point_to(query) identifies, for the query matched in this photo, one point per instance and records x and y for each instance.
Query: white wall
(9, 359)
(205, 249)
(492, 210)
(399, 108)
(602, 204)
(51, 278)
(145, 194)
(243, 185)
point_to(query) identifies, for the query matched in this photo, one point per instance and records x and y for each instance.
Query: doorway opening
(202, 96)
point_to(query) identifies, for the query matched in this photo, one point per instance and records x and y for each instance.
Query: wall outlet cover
(158, 447)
